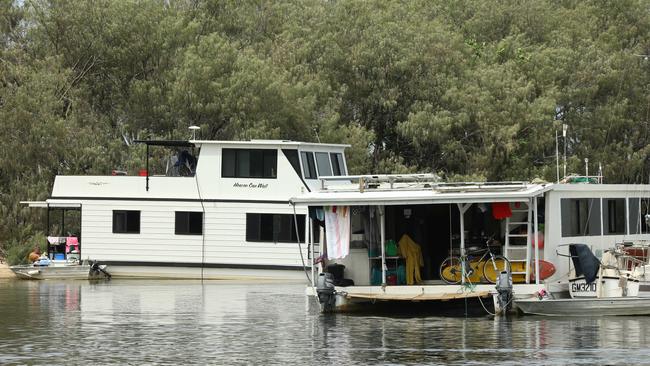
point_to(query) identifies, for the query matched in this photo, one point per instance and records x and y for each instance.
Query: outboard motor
(97, 270)
(326, 291)
(504, 289)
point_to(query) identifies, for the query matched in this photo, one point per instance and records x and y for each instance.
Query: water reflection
(189, 322)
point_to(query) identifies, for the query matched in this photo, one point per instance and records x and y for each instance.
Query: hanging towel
(337, 231)
(501, 210)
(412, 252)
(54, 240)
(72, 240)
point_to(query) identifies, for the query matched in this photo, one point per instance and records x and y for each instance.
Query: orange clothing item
(33, 257)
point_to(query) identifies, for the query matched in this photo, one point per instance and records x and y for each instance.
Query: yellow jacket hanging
(412, 253)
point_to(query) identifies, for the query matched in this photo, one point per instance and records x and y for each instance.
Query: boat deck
(426, 292)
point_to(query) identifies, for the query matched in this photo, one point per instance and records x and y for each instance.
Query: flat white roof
(418, 196)
(583, 187)
(53, 203)
(268, 142)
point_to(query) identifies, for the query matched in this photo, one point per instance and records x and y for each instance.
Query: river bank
(5, 272)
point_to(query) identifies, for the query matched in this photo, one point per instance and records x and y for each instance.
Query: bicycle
(491, 265)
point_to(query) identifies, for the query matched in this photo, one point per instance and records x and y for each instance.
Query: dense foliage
(467, 89)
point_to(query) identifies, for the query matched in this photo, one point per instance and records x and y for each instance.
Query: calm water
(189, 322)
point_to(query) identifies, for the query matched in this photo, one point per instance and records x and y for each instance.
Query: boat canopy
(394, 193)
(53, 204)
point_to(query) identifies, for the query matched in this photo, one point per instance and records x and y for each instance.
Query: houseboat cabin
(402, 229)
(210, 209)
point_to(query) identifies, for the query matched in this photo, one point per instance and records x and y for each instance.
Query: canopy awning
(416, 196)
(179, 143)
(53, 204)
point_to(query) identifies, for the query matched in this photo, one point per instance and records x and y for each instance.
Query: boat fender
(326, 291)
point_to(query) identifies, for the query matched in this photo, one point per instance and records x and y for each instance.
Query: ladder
(518, 253)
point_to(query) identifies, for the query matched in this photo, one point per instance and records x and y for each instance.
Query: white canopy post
(382, 238)
(462, 208)
(536, 238)
(309, 238)
(322, 247)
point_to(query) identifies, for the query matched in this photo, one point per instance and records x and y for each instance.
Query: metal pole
(557, 158)
(462, 208)
(627, 214)
(382, 234)
(147, 167)
(47, 230)
(63, 222)
(310, 237)
(565, 127)
(536, 236)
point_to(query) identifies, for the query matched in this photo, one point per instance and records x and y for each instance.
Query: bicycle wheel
(493, 266)
(450, 270)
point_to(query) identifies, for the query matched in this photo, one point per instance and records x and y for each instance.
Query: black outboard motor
(326, 291)
(97, 271)
(504, 288)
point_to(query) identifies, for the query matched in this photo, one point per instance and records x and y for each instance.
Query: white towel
(54, 240)
(337, 229)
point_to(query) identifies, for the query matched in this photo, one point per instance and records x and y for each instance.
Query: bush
(17, 251)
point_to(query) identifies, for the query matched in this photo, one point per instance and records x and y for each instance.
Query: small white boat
(60, 270)
(586, 306)
(609, 286)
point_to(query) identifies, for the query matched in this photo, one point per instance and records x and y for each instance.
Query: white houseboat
(526, 221)
(219, 210)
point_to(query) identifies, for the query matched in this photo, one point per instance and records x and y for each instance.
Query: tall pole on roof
(565, 127)
(557, 159)
(147, 166)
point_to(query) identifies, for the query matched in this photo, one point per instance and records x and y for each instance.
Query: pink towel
(71, 240)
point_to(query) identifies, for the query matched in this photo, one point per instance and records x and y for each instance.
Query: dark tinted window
(645, 211)
(323, 164)
(126, 222)
(274, 227)
(633, 214)
(614, 215)
(189, 223)
(580, 217)
(292, 156)
(337, 164)
(249, 163)
(308, 166)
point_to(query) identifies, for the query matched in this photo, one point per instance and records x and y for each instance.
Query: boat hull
(585, 307)
(73, 272)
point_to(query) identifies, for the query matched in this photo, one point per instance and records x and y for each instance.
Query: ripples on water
(189, 322)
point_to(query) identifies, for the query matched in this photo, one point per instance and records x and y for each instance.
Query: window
(633, 215)
(249, 163)
(614, 215)
(580, 217)
(274, 228)
(189, 223)
(645, 218)
(323, 163)
(294, 160)
(126, 222)
(328, 164)
(308, 166)
(338, 167)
